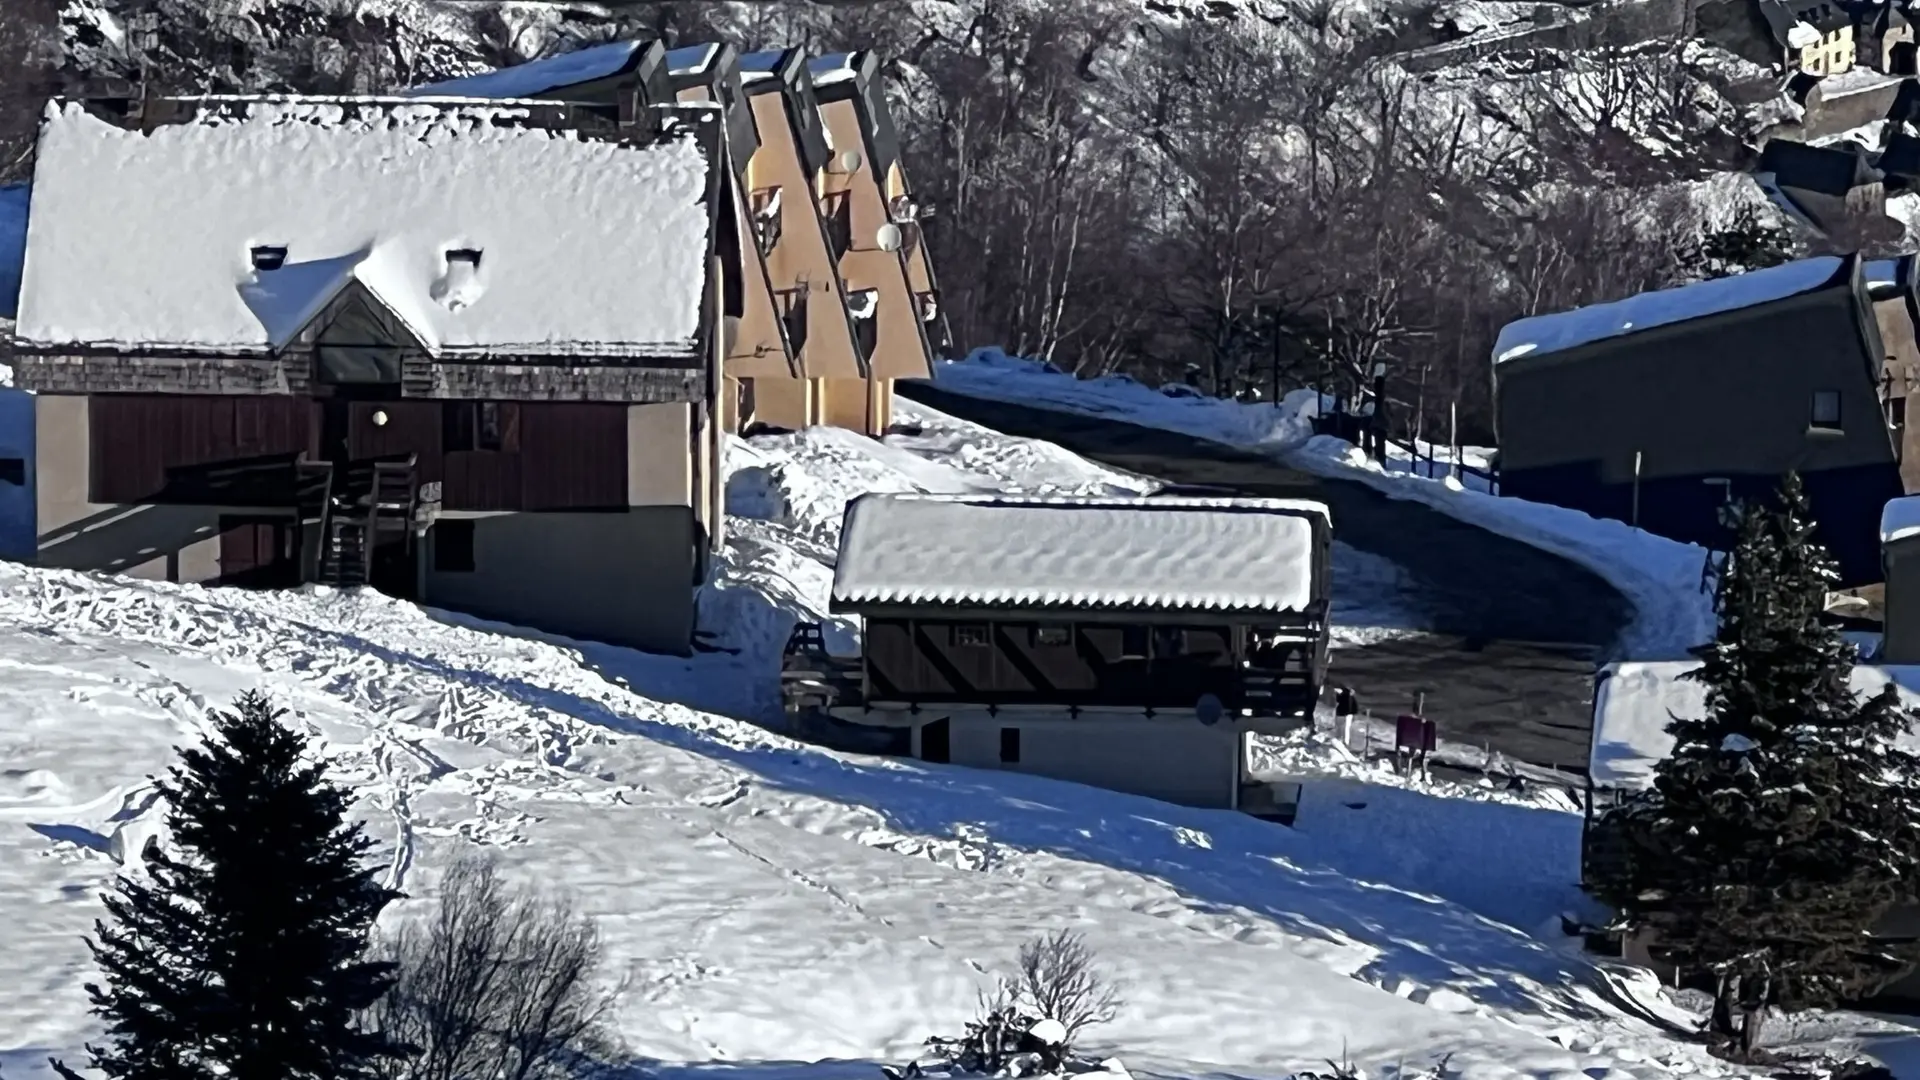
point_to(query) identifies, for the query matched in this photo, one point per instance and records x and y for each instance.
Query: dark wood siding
(1017, 660)
(558, 456)
(573, 455)
(134, 439)
(412, 427)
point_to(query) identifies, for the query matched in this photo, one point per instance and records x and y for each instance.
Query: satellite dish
(888, 237)
(849, 161)
(1209, 709)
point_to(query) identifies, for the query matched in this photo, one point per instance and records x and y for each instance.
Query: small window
(1169, 641)
(1133, 643)
(1826, 409)
(1897, 412)
(269, 258)
(464, 257)
(453, 546)
(13, 471)
(1052, 636)
(1009, 746)
(480, 425)
(971, 635)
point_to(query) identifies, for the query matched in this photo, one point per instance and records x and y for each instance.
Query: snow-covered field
(777, 905)
(1659, 576)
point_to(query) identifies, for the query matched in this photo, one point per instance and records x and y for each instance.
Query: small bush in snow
(1060, 979)
(499, 983)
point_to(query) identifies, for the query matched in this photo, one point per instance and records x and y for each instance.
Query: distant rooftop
(536, 77)
(1541, 335)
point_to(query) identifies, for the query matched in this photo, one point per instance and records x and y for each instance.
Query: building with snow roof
(1126, 643)
(849, 296)
(1658, 409)
(396, 341)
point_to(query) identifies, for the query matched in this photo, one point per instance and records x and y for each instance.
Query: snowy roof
(691, 58)
(145, 239)
(1802, 36)
(1900, 519)
(537, 77)
(765, 64)
(1634, 702)
(1541, 335)
(13, 245)
(1137, 553)
(834, 68)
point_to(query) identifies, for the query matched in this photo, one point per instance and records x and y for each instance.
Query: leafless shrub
(500, 982)
(1060, 978)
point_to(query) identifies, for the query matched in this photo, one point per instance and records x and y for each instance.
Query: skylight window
(269, 257)
(467, 256)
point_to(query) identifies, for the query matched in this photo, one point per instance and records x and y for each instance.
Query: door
(935, 741)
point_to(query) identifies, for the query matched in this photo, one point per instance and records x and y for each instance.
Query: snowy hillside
(774, 903)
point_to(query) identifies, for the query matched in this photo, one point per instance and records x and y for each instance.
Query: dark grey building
(1828, 187)
(1658, 408)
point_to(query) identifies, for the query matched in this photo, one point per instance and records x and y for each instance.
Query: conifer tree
(1784, 824)
(240, 954)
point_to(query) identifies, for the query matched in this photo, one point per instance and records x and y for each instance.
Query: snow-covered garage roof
(1540, 335)
(1634, 702)
(584, 247)
(1131, 553)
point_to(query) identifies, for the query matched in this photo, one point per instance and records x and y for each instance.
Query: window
(1009, 746)
(269, 258)
(468, 257)
(1133, 643)
(971, 635)
(13, 471)
(1897, 412)
(480, 425)
(1826, 409)
(1052, 636)
(1169, 641)
(453, 546)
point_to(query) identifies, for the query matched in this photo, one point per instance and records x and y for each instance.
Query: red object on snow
(1406, 732)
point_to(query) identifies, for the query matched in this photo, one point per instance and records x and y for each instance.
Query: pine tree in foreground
(241, 956)
(1785, 823)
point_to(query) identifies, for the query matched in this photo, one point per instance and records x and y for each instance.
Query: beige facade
(805, 279)
(1167, 754)
(875, 276)
(1835, 53)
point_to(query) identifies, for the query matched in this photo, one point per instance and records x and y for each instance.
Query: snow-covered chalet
(469, 352)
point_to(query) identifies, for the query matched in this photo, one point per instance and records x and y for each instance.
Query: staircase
(364, 502)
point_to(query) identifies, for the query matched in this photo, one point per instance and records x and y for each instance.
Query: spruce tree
(1784, 824)
(241, 954)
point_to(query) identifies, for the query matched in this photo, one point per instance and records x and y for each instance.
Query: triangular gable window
(359, 341)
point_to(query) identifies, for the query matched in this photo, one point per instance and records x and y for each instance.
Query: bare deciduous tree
(1060, 979)
(499, 982)
(29, 56)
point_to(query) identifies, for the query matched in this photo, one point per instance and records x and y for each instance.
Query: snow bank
(146, 237)
(990, 373)
(794, 905)
(1634, 702)
(1660, 577)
